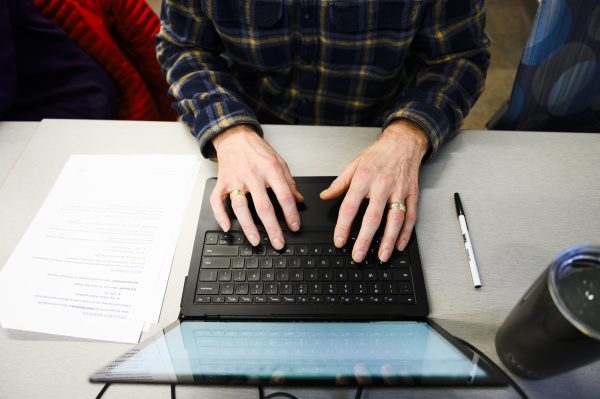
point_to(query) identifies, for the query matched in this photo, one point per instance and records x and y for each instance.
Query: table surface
(528, 195)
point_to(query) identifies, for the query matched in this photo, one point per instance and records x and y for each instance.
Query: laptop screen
(297, 353)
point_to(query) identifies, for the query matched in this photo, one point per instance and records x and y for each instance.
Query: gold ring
(235, 193)
(398, 205)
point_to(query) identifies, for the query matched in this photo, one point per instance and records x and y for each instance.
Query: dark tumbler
(555, 327)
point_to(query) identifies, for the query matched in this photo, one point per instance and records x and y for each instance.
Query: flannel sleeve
(207, 95)
(449, 58)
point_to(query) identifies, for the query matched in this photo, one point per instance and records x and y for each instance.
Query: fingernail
(295, 226)
(339, 241)
(277, 243)
(385, 255)
(402, 244)
(253, 240)
(358, 256)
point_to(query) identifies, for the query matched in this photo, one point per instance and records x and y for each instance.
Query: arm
(8, 73)
(207, 95)
(450, 58)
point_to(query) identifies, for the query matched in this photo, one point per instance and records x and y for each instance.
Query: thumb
(341, 183)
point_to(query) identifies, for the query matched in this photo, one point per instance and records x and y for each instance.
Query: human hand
(247, 162)
(385, 172)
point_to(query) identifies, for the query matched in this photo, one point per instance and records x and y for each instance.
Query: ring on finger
(235, 192)
(397, 206)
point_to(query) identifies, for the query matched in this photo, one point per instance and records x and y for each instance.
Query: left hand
(387, 171)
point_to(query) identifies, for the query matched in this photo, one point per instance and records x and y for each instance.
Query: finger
(395, 219)
(286, 199)
(218, 208)
(409, 221)
(239, 204)
(370, 223)
(341, 183)
(266, 213)
(347, 213)
(291, 182)
(362, 374)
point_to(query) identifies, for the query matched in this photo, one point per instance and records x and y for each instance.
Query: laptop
(304, 315)
(308, 279)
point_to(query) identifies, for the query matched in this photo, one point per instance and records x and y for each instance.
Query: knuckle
(237, 206)
(263, 205)
(373, 216)
(287, 198)
(342, 228)
(362, 242)
(387, 180)
(396, 217)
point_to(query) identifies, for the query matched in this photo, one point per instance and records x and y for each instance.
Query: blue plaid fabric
(325, 62)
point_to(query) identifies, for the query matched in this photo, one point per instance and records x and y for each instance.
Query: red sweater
(119, 35)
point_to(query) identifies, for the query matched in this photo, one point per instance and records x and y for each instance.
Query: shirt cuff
(206, 132)
(430, 118)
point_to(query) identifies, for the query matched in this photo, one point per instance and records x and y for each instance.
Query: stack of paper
(95, 261)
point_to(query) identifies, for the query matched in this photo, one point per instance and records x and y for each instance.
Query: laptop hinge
(212, 316)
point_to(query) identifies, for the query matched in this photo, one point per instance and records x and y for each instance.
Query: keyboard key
(400, 262)
(297, 275)
(224, 275)
(323, 262)
(272, 251)
(288, 250)
(237, 238)
(390, 288)
(215, 263)
(251, 263)
(241, 288)
(245, 299)
(282, 275)
(312, 275)
(265, 263)
(260, 299)
(405, 288)
(259, 250)
(280, 263)
(239, 275)
(370, 275)
(220, 250)
(202, 299)
(256, 288)
(329, 250)
(338, 263)
(325, 275)
(330, 289)
(285, 288)
(308, 262)
(360, 288)
(218, 299)
(302, 299)
(406, 299)
(267, 275)
(374, 299)
(287, 299)
(237, 263)
(231, 299)
(331, 299)
(295, 263)
(274, 299)
(355, 275)
(300, 288)
(208, 275)
(375, 288)
(360, 299)
(385, 275)
(225, 238)
(315, 288)
(316, 249)
(301, 250)
(208, 288)
(271, 288)
(316, 299)
(211, 238)
(401, 275)
(226, 288)
(253, 275)
(345, 288)
(246, 250)
(345, 299)
(341, 275)
(389, 299)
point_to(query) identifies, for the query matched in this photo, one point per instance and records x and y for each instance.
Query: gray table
(527, 196)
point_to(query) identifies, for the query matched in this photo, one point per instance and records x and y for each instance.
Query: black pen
(462, 221)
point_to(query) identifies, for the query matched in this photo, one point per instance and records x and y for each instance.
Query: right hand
(249, 163)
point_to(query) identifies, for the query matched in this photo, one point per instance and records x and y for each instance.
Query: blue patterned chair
(557, 87)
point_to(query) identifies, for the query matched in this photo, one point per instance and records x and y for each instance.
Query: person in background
(44, 74)
(413, 67)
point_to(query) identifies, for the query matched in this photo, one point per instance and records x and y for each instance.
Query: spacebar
(309, 237)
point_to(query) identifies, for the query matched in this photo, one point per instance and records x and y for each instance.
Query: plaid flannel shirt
(326, 62)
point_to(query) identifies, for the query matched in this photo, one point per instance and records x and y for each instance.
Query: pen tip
(478, 286)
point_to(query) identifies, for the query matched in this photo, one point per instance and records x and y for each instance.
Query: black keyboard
(233, 271)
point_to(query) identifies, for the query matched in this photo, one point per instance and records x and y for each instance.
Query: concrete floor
(508, 26)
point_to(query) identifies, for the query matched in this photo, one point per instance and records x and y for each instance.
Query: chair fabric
(557, 87)
(119, 36)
